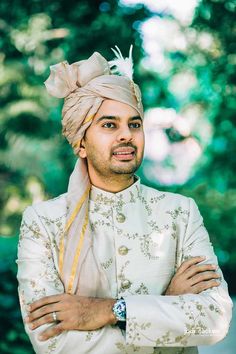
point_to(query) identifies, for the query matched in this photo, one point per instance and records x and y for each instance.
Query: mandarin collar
(127, 195)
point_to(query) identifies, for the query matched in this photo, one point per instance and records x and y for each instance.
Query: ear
(82, 150)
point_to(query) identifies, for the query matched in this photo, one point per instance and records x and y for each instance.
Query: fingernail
(41, 337)
(28, 308)
(213, 266)
(27, 319)
(31, 326)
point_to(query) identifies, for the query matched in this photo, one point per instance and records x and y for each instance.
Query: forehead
(115, 108)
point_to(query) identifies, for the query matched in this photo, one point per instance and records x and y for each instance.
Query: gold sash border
(77, 254)
(68, 225)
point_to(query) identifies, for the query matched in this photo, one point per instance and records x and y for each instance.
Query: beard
(125, 167)
(109, 167)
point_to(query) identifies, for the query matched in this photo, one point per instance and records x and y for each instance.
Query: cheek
(99, 145)
(140, 141)
(104, 144)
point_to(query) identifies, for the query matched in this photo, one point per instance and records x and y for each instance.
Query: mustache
(124, 145)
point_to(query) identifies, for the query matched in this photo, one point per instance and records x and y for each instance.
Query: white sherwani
(141, 235)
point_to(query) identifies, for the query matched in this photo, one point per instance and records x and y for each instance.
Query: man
(113, 266)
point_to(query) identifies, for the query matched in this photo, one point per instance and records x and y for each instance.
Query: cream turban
(84, 85)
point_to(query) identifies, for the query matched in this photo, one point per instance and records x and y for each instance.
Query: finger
(198, 288)
(44, 301)
(194, 269)
(51, 332)
(203, 276)
(41, 321)
(189, 262)
(42, 311)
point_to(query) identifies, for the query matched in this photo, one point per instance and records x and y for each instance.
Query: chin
(123, 172)
(127, 170)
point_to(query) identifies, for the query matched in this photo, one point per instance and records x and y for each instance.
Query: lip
(126, 150)
(124, 153)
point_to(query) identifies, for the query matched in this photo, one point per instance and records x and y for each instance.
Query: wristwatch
(119, 310)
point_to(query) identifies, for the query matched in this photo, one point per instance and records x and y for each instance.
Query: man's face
(114, 142)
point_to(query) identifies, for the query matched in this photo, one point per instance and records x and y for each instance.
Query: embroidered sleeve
(184, 320)
(37, 277)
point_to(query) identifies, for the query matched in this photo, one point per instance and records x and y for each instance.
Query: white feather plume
(123, 66)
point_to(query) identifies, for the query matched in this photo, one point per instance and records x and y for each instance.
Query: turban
(84, 85)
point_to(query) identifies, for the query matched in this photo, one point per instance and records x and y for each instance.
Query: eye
(135, 125)
(109, 125)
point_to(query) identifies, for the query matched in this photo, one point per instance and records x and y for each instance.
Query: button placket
(122, 250)
(118, 222)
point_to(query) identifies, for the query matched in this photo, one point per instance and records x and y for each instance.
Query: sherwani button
(120, 217)
(123, 250)
(125, 284)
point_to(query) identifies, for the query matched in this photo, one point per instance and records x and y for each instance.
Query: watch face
(119, 310)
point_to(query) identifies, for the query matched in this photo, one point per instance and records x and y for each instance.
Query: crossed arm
(85, 313)
(77, 314)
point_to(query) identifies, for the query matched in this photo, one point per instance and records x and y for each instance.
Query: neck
(113, 184)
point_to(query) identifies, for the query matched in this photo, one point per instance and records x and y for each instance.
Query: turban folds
(84, 85)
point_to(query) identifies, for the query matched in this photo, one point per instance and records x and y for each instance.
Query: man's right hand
(193, 278)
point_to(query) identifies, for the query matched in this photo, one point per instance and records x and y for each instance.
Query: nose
(124, 134)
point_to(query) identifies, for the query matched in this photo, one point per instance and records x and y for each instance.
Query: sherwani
(141, 236)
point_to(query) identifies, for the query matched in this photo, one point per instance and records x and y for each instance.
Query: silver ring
(54, 316)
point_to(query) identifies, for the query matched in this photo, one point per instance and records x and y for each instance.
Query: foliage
(210, 58)
(13, 338)
(214, 184)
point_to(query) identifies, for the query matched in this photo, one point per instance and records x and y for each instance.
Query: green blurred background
(184, 57)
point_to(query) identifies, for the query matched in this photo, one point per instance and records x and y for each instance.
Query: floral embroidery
(130, 236)
(140, 239)
(89, 336)
(145, 246)
(132, 198)
(174, 234)
(153, 224)
(215, 308)
(156, 199)
(146, 243)
(136, 330)
(107, 264)
(32, 228)
(178, 215)
(142, 290)
(103, 200)
(146, 205)
(121, 275)
(52, 346)
(178, 212)
(98, 223)
(125, 349)
(194, 312)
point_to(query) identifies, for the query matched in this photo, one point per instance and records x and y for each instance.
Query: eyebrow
(116, 118)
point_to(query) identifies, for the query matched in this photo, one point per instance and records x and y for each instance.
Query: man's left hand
(73, 312)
